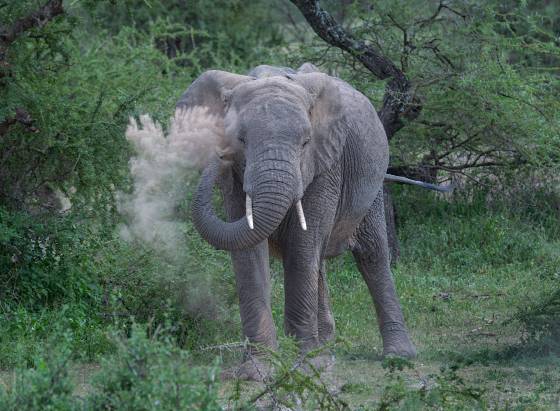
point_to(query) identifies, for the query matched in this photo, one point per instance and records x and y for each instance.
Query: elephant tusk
(249, 211)
(301, 216)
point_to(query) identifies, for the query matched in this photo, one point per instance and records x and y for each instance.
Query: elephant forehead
(270, 115)
(270, 87)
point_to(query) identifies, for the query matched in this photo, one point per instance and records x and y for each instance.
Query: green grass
(465, 274)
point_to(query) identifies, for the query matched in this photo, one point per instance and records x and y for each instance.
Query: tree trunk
(391, 222)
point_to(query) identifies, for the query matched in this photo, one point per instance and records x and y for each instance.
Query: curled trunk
(272, 196)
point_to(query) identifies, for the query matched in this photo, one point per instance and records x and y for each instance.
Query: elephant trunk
(270, 186)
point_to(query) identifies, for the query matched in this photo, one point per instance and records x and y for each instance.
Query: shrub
(23, 333)
(297, 382)
(448, 391)
(43, 260)
(151, 374)
(47, 387)
(541, 324)
(143, 374)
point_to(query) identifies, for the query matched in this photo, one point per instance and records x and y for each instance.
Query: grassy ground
(464, 274)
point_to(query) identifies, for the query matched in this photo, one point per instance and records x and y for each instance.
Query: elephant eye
(242, 140)
(307, 140)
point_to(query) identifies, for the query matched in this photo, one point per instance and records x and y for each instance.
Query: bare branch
(458, 145)
(435, 17)
(406, 43)
(432, 45)
(431, 19)
(458, 13)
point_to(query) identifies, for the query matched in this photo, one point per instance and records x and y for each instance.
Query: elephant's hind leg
(371, 253)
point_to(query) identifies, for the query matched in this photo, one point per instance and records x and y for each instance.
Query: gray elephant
(301, 171)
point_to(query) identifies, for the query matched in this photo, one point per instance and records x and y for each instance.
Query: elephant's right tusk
(301, 216)
(249, 211)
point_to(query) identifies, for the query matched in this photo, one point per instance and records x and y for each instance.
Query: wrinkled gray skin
(297, 135)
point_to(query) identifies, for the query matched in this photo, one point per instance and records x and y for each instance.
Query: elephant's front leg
(301, 296)
(307, 313)
(252, 274)
(325, 318)
(253, 288)
(372, 257)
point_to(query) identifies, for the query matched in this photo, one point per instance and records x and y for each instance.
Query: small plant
(151, 374)
(45, 387)
(297, 383)
(541, 324)
(448, 391)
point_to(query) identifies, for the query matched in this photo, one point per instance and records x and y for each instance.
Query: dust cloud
(160, 172)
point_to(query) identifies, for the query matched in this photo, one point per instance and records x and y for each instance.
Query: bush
(80, 77)
(23, 333)
(150, 374)
(47, 387)
(143, 374)
(44, 260)
(447, 391)
(541, 324)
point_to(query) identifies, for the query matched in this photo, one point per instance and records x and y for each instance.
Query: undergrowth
(144, 373)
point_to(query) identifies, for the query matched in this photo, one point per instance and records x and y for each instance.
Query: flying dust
(160, 173)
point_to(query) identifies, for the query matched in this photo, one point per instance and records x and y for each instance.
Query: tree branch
(22, 117)
(399, 100)
(38, 18)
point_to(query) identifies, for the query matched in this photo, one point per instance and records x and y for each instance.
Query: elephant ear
(327, 117)
(211, 90)
(200, 111)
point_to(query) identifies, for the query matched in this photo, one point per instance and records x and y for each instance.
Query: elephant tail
(399, 179)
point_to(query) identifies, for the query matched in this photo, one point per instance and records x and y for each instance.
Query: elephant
(301, 170)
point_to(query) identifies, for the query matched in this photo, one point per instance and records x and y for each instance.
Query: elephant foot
(396, 343)
(252, 369)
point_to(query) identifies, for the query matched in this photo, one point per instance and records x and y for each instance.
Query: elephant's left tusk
(249, 211)
(301, 216)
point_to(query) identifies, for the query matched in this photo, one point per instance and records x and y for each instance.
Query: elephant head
(278, 133)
